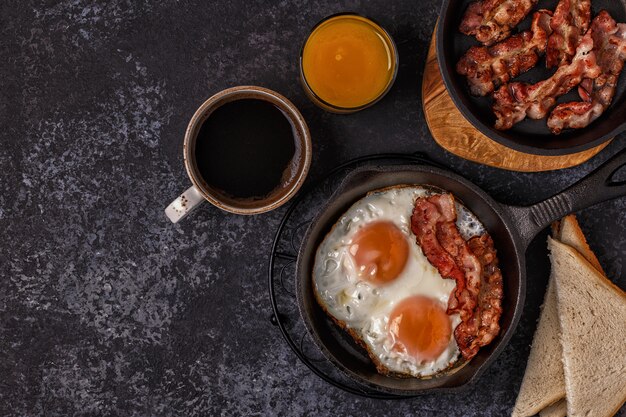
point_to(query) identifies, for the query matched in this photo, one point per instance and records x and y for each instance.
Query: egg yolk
(380, 251)
(420, 326)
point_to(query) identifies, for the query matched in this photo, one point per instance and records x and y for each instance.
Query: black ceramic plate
(530, 136)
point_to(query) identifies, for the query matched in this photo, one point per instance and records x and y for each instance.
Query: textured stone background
(108, 309)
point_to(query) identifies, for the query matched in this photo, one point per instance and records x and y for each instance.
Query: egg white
(365, 307)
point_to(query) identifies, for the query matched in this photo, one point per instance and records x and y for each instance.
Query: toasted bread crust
(568, 231)
(601, 278)
(558, 409)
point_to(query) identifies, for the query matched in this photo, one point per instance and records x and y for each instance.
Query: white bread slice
(543, 382)
(568, 231)
(592, 315)
(558, 409)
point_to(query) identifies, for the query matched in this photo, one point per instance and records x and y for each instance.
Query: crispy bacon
(491, 21)
(474, 266)
(487, 315)
(453, 243)
(610, 48)
(486, 68)
(428, 216)
(516, 101)
(570, 22)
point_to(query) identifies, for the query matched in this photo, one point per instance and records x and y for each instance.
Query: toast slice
(558, 409)
(592, 316)
(543, 382)
(543, 385)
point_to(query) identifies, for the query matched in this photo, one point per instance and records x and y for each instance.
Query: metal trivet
(282, 268)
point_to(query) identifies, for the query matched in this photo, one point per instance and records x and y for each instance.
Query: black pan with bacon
(592, 58)
(542, 69)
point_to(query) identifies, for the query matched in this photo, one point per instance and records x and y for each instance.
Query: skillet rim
(304, 276)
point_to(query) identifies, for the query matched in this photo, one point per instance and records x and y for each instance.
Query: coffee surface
(245, 149)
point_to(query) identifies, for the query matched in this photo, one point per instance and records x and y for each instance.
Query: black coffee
(245, 149)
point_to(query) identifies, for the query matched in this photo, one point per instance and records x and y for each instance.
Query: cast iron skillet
(512, 229)
(530, 136)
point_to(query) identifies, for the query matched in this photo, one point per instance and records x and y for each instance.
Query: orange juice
(348, 62)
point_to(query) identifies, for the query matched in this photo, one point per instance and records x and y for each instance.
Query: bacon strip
(478, 293)
(570, 21)
(453, 243)
(487, 315)
(515, 101)
(610, 48)
(491, 21)
(428, 216)
(487, 68)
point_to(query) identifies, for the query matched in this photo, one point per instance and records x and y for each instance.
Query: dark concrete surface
(107, 309)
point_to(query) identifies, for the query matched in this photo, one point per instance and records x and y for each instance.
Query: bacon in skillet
(610, 47)
(478, 293)
(570, 22)
(487, 315)
(429, 216)
(515, 101)
(452, 242)
(491, 21)
(486, 68)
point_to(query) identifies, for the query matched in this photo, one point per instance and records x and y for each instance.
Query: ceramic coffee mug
(201, 191)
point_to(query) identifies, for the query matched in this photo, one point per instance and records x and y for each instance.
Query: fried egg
(372, 277)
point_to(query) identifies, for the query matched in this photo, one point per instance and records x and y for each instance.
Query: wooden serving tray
(456, 135)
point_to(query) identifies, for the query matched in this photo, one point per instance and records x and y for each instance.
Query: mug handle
(184, 204)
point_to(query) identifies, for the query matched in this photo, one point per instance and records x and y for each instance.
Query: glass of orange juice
(348, 63)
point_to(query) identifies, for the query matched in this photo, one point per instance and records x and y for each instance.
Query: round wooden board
(456, 135)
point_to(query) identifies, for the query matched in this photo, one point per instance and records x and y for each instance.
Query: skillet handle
(595, 188)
